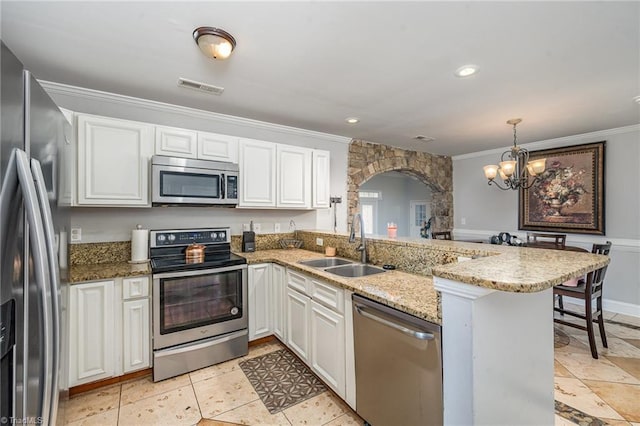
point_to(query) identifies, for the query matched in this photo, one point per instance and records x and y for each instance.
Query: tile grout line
(195, 395)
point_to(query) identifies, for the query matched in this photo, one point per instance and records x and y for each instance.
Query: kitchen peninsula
(496, 313)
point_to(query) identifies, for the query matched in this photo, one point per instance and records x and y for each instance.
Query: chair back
(442, 235)
(558, 240)
(595, 279)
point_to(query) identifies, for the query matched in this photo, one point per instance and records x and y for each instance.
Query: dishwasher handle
(420, 335)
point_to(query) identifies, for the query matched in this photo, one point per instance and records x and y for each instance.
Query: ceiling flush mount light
(466, 70)
(515, 169)
(637, 99)
(214, 42)
(424, 138)
(352, 120)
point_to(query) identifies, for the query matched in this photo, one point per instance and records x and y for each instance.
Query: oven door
(194, 305)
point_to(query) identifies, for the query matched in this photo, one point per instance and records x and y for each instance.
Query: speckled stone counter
(105, 271)
(521, 269)
(410, 293)
(506, 268)
(103, 261)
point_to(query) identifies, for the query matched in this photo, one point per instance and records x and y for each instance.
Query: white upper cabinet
(321, 179)
(257, 173)
(185, 143)
(174, 142)
(294, 177)
(215, 147)
(113, 161)
(275, 175)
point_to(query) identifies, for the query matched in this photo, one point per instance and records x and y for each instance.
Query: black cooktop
(168, 247)
(178, 262)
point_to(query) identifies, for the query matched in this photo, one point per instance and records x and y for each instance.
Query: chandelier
(512, 168)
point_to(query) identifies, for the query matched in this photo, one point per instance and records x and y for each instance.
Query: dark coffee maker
(248, 241)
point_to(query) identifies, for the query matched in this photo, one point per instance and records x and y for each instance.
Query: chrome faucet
(362, 248)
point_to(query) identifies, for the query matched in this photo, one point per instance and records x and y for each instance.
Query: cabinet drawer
(298, 282)
(330, 296)
(135, 287)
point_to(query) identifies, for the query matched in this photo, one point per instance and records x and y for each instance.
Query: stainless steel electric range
(199, 309)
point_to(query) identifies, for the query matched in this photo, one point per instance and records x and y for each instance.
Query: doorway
(418, 214)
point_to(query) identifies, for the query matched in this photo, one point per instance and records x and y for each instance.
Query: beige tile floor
(607, 388)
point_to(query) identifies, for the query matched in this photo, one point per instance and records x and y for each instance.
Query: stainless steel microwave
(183, 181)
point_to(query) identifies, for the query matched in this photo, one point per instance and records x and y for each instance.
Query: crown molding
(549, 143)
(82, 92)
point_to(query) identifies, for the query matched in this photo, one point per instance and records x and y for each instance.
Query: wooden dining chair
(557, 240)
(588, 291)
(441, 235)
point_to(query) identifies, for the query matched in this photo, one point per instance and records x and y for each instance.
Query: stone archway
(367, 160)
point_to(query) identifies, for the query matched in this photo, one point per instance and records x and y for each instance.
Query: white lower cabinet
(91, 333)
(259, 285)
(109, 329)
(298, 315)
(278, 287)
(328, 346)
(307, 315)
(316, 327)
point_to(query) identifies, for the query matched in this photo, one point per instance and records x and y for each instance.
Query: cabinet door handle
(420, 335)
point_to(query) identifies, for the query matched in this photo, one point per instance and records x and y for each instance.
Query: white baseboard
(611, 306)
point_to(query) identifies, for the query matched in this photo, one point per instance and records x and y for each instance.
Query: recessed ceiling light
(637, 99)
(352, 120)
(466, 70)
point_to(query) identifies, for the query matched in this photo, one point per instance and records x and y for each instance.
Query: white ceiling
(565, 67)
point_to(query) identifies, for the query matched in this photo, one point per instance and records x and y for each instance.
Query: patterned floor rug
(281, 380)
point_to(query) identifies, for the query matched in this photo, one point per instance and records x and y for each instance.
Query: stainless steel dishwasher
(398, 361)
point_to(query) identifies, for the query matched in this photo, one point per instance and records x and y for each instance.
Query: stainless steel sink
(355, 270)
(325, 262)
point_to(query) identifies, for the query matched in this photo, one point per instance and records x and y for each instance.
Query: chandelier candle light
(512, 168)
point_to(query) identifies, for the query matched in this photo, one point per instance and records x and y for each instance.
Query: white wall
(114, 224)
(488, 210)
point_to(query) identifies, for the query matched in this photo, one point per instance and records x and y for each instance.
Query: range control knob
(171, 237)
(223, 236)
(161, 238)
(214, 236)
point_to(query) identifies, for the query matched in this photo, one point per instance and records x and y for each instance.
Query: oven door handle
(223, 183)
(182, 274)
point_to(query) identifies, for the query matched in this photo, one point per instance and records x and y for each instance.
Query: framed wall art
(569, 195)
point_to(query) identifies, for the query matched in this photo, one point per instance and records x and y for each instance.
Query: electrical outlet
(276, 227)
(246, 227)
(76, 234)
(463, 220)
(319, 241)
(257, 227)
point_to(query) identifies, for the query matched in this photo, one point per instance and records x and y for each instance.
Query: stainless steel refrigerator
(33, 248)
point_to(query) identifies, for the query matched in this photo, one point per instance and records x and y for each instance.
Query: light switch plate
(319, 241)
(257, 228)
(276, 227)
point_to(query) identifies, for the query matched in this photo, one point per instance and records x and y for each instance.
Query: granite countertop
(409, 293)
(521, 269)
(105, 271)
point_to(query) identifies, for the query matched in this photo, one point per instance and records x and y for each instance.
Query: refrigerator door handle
(54, 281)
(39, 253)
